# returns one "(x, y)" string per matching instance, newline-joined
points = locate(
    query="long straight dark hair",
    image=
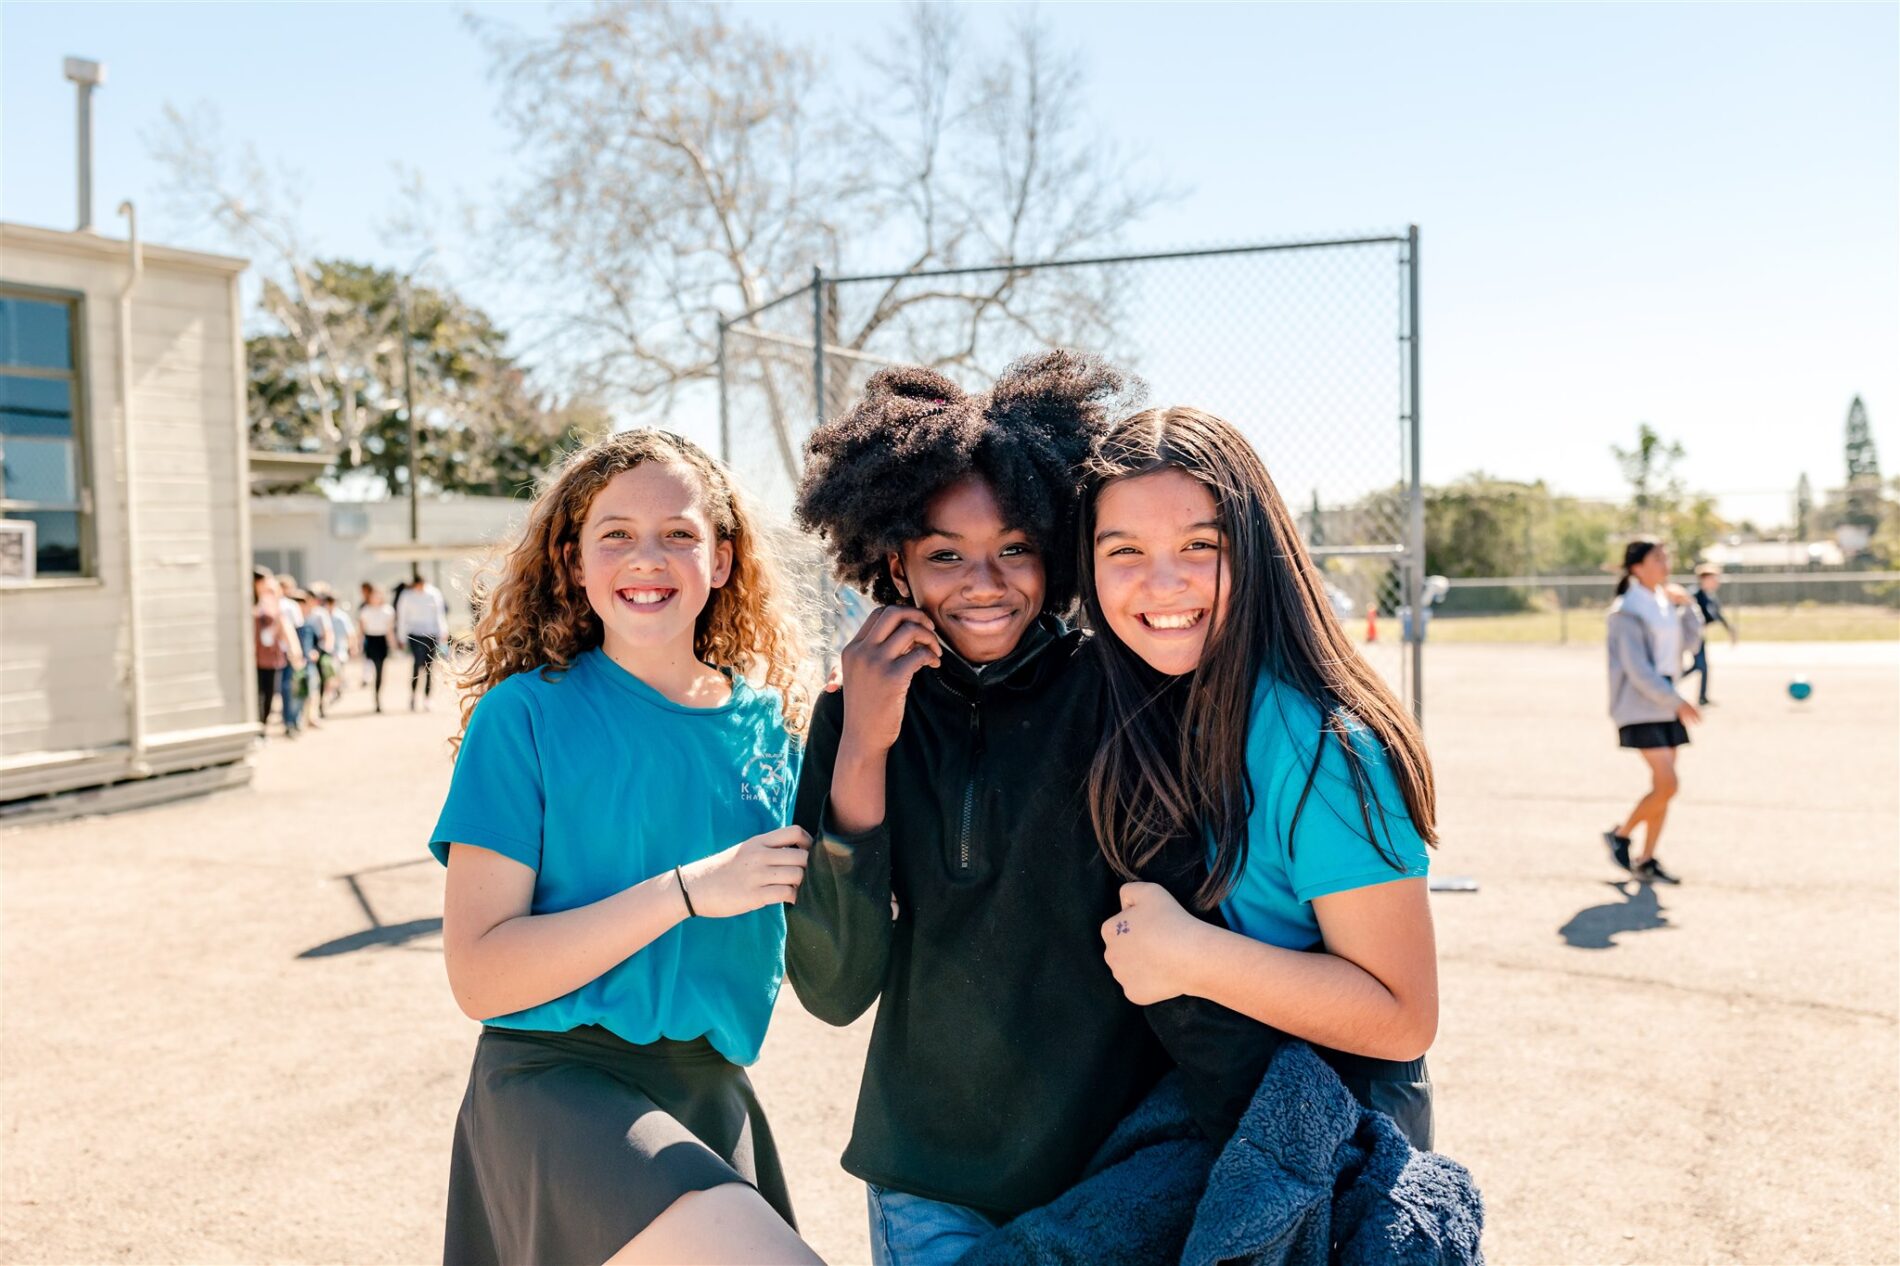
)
(1173, 763)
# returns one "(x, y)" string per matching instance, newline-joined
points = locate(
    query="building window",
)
(280, 561)
(42, 424)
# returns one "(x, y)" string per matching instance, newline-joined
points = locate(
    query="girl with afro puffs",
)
(954, 872)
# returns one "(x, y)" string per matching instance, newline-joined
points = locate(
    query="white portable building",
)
(125, 642)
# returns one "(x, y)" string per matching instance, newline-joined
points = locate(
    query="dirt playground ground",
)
(225, 1034)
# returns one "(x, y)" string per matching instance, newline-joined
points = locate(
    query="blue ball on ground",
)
(1799, 689)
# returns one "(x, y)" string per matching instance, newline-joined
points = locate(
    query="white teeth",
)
(1180, 620)
(647, 597)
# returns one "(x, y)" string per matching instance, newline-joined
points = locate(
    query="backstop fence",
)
(1309, 347)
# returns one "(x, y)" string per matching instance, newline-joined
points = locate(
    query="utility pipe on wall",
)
(135, 701)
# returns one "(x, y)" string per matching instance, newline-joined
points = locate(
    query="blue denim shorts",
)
(909, 1230)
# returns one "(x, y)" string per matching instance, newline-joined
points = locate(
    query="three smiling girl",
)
(979, 815)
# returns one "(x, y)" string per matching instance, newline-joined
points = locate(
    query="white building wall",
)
(321, 531)
(65, 644)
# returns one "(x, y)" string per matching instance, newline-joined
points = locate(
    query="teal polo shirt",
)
(596, 781)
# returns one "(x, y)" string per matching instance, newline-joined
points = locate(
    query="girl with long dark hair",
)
(1651, 626)
(1242, 722)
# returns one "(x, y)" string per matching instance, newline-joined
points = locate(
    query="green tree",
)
(482, 427)
(1583, 536)
(1659, 504)
(1481, 526)
(1650, 470)
(1693, 525)
(1863, 471)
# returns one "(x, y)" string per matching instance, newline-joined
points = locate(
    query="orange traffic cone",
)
(1372, 624)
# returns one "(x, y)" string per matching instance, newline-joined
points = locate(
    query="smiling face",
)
(979, 580)
(1161, 572)
(649, 559)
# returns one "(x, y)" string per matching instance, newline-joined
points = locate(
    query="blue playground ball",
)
(1799, 688)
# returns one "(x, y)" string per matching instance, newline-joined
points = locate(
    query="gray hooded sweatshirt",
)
(1639, 690)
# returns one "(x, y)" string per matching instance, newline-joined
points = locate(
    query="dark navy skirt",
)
(570, 1144)
(1654, 734)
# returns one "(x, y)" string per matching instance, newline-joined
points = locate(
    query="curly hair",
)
(532, 614)
(871, 472)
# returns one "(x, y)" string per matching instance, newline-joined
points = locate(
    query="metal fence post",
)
(818, 345)
(829, 610)
(1415, 553)
(725, 408)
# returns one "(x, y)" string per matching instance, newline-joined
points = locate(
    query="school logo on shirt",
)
(766, 780)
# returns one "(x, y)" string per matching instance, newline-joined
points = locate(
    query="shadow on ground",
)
(378, 932)
(392, 934)
(1597, 927)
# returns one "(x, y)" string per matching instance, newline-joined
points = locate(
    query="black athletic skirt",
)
(1654, 734)
(375, 646)
(569, 1144)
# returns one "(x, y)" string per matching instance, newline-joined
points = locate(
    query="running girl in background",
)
(618, 862)
(1240, 714)
(1652, 625)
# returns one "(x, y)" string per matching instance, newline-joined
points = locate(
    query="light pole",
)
(409, 414)
(413, 451)
(88, 75)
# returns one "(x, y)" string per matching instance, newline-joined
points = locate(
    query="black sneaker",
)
(1619, 848)
(1651, 871)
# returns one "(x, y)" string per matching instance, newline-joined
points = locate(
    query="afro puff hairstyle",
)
(871, 472)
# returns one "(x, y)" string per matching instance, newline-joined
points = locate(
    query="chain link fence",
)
(1309, 347)
(1775, 606)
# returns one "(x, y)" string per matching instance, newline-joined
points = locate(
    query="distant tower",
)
(1803, 507)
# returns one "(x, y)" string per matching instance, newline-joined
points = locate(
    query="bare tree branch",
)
(680, 165)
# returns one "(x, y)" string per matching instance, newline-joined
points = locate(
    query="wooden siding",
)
(64, 675)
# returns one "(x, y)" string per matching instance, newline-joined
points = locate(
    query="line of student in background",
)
(1061, 861)
(305, 639)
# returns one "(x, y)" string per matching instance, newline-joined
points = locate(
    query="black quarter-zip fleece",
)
(1003, 1052)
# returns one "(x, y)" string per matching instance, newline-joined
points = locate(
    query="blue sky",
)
(1679, 214)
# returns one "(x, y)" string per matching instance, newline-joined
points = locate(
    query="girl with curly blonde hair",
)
(619, 859)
